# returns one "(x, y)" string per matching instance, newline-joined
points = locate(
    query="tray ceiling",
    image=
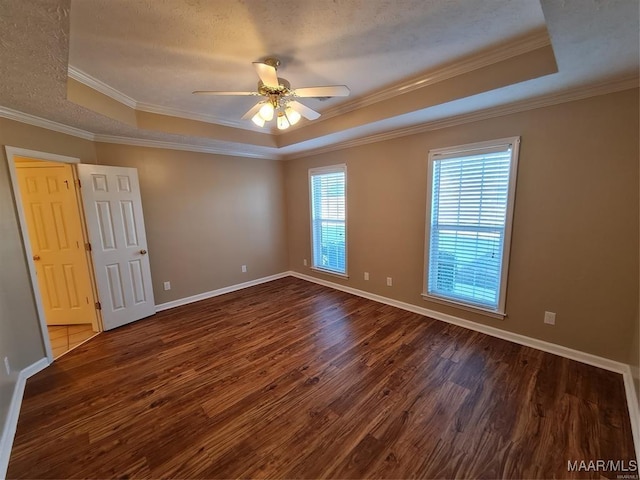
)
(395, 56)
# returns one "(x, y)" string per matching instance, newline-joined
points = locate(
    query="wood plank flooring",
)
(294, 380)
(67, 337)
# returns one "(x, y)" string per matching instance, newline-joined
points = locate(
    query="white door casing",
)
(113, 211)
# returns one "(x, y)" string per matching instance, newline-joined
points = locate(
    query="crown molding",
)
(21, 117)
(100, 86)
(516, 107)
(29, 119)
(537, 39)
(130, 102)
(220, 150)
(530, 104)
(528, 43)
(201, 117)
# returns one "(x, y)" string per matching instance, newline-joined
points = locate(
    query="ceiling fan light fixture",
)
(279, 99)
(282, 121)
(266, 112)
(258, 120)
(292, 115)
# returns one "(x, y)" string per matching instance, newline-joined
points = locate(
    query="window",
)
(469, 209)
(329, 219)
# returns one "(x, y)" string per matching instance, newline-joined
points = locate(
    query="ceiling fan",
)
(279, 99)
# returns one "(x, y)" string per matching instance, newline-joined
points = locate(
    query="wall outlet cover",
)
(550, 318)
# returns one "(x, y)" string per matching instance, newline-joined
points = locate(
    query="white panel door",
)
(113, 209)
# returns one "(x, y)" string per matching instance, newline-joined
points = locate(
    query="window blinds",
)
(470, 193)
(328, 219)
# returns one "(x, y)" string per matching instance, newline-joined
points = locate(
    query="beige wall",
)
(20, 338)
(205, 216)
(575, 231)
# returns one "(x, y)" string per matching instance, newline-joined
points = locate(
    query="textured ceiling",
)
(34, 48)
(158, 51)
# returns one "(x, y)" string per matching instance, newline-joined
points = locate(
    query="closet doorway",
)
(53, 225)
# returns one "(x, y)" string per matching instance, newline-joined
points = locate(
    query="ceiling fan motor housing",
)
(284, 88)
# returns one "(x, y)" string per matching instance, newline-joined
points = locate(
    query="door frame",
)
(11, 153)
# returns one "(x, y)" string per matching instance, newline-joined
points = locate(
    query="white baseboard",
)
(9, 431)
(221, 291)
(594, 360)
(632, 403)
(583, 357)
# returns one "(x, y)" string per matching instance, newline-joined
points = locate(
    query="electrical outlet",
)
(244, 269)
(366, 275)
(304, 262)
(7, 367)
(389, 281)
(167, 285)
(550, 318)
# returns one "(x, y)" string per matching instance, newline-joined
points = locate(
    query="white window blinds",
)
(469, 227)
(328, 218)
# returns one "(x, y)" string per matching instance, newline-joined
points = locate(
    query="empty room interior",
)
(319, 239)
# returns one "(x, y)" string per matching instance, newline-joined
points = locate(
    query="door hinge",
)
(98, 306)
(78, 183)
(87, 246)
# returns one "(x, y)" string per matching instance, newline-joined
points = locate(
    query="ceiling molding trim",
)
(141, 142)
(201, 117)
(539, 102)
(100, 86)
(516, 107)
(467, 64)
(489, 56)
(111, 92)
(29, 119)
(21, 117)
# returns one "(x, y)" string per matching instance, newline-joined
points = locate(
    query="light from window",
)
(469, 208)
(328, 218)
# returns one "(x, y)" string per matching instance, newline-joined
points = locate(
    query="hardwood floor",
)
(290, 379)
(67, 337)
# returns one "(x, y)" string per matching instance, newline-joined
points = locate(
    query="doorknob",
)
(143, 252)
(36, 257)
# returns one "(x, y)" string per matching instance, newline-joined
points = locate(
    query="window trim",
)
(341, 167)
(452, 152)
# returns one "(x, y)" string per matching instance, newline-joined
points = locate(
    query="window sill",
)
(463, 306)
(329, 272)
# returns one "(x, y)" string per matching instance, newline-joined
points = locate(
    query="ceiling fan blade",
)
(212, 92)
(303, 110)
(267, 74)
(328, 91)
(252, 111)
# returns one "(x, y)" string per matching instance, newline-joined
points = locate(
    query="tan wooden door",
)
(52, 213)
